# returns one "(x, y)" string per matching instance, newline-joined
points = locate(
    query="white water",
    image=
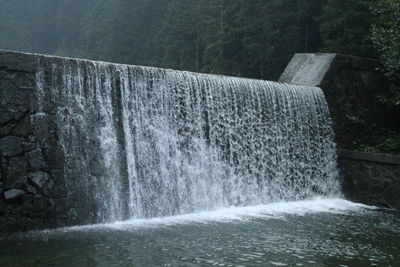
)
(144, 142)
(276, 211)
(270, 211)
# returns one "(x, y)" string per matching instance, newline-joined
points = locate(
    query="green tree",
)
(345, 27)
(386, 34)
(251, 38)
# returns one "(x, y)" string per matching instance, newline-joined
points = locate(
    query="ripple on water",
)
(352, 236)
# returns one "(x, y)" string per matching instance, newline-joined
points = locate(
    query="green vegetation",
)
(386, 34)
(345, 27)
(386, 38)
(250, 38)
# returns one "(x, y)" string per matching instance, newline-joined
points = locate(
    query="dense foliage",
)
(250, 38)
(386, 38)
(386, 34)
(345, 27)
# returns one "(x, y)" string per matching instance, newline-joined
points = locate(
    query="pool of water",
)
(317, 232)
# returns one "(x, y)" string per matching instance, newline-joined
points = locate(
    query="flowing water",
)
(183, 169)
(304, 233)
(143, 142)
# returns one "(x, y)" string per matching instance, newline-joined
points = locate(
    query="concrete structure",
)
(307, 69)
(67, 132)
(32, 193)
(370, 178)
(32, 185)
(352, 87)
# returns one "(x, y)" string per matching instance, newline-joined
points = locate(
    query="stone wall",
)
(32, 185)
(32, 193)
(370, 178)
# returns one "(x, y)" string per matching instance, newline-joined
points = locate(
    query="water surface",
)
(306, 233)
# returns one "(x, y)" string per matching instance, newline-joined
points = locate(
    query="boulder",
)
(32, 189)
(4, 116)
(17, 171)
(28, 146)
(39, 178)
(13, 194)
(10, 146)
(23, 128)
(36, 160)
(42, 181)
(6, 129)
(16, 96)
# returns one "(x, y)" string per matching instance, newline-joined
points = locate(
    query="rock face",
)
(371, 178)
(16, 172)
(352, 86)
(32, 194)
(10, 146)
(13, 194)
(36, 160)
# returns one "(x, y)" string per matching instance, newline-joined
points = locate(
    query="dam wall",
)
(370, 178)
(353, 87)
(77, 139)
(32, 189)
(85, 142)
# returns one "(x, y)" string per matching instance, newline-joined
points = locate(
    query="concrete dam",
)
(91, 142)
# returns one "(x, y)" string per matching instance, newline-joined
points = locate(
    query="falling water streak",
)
(145, 142)
(39, 79)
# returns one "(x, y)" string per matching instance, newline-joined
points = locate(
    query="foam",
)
(269, 211)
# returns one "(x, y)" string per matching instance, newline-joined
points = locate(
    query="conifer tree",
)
(345, 27)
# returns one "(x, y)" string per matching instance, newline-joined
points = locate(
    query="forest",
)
(249, 38)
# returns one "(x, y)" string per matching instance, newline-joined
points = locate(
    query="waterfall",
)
(144, 142)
